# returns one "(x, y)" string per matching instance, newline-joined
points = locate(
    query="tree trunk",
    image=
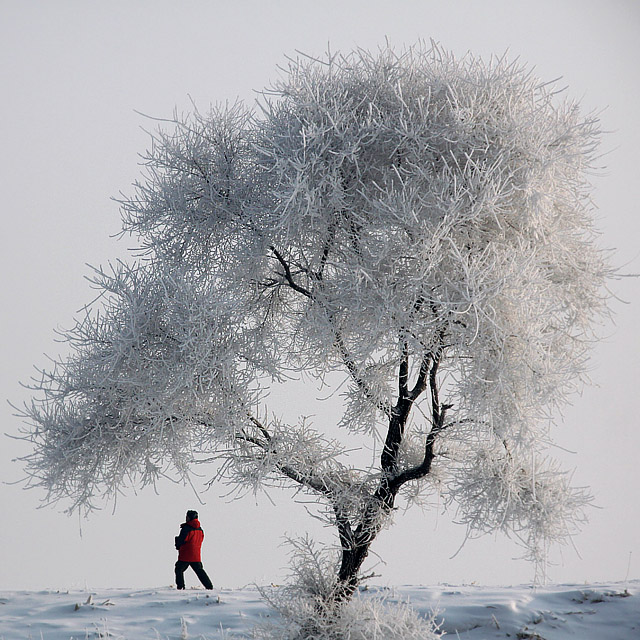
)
(356, 549)
(348, 576)
(356, 544)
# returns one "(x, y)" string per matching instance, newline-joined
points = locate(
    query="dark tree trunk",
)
(348, 576)
(356, 550)
(356, 544)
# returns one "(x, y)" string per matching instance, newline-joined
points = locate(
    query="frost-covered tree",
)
(414, 224)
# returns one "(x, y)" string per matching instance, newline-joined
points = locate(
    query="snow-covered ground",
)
(582, 612)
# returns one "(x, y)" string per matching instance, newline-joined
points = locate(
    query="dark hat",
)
(192, 515)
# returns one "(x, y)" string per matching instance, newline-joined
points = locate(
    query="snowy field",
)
(582, 612)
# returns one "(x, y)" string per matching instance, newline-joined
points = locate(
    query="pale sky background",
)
(73, 75)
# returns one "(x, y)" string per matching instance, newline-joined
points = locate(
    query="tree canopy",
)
(416, 225)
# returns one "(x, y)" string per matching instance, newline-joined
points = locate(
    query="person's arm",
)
(182, 538)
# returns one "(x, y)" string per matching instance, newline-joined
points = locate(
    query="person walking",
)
(188, 544)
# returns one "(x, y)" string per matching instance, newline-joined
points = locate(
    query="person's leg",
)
(202, 575)
(181, 567)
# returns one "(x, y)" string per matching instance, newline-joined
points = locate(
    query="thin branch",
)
(259, 425)
(289, 278)
(331, 232)
(403, 372)
(357, 378)
(421, 380)
(433, 386)
(316, 484)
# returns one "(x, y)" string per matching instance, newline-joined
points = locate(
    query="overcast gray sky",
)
(74, 73)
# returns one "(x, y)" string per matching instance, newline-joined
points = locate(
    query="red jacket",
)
(189, 541)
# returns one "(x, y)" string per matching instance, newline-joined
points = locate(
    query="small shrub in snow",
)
(364, 617)
(308, 609)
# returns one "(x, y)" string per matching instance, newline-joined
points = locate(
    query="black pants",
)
(181, 567)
